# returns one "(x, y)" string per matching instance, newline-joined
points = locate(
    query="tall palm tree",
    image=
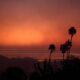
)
(72, 31)
(51, 48)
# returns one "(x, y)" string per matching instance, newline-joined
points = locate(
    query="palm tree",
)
(63, 49)
(68, 43)
(72, 31)
(51, 48)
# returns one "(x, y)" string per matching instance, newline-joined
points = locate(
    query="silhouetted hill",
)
(3, 58)
(27, 64)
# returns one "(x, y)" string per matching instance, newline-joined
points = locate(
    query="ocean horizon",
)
(35, 54)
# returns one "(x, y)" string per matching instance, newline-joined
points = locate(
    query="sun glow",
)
(22, 37)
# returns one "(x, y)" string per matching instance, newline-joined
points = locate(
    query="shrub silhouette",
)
(71, 69)
(35, 76)
(45, 70)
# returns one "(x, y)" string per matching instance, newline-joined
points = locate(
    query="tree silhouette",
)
(63, 49)
(51, 48)
(68, 44)
(72, 31)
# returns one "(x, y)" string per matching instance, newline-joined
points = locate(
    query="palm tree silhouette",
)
(72, 31)
(68, 43)
(63, 49)
(51, 48)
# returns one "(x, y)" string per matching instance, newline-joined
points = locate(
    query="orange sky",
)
(38, 22)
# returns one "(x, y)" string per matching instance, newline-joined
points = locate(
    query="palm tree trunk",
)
(71, 37)
(70, 47)
(69, 52)
(67, 55)
(50, 58)
(63, 57)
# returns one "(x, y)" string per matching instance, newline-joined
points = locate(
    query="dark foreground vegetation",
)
(70, 69)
